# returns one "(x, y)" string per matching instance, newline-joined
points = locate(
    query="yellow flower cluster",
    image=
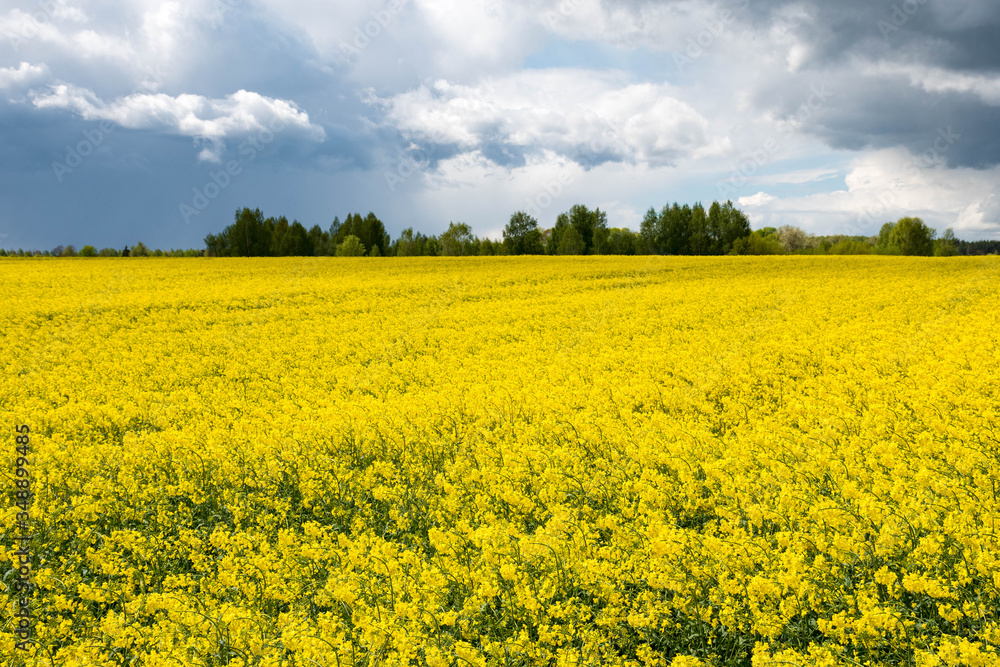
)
(489, 462)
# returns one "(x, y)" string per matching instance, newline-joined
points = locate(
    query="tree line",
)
(720, 229)
(252, 235)
(138, 250)
(907, 236)
(579, 231)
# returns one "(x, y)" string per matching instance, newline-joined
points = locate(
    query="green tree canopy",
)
(554, 235)
(248, 236)
(318, 240)
(351, 246)
(592, 226)
(675, 228)
(761, 242)
(571, 242)
(691, 230)
(369, 230)
(946, 246)
(650, 232)
(726, 225)
(850, 247)
(407, 244)
(295, 242)
(912, 237)
(458, 240)
(698, 240)
(621, 242)
(883, 245)
(522, 236)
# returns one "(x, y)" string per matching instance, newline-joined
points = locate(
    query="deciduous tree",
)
(351, 246)
(522, 236)
(912, 237)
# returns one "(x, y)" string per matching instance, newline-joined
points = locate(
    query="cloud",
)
(595, 117)
(21, 28)
(23, 75)
(797, 177)
(938, 67)
(886, 185)
(758, 200)
(659, 25)
(982, 217)
(210, 120)
(381, 39)
(462, 39)
(873, 106)
(472, 188)
(954, 35)
(938, 80)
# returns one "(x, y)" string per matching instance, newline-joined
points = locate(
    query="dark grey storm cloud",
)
(959, 34)
(861, 50)
(885, 111)
(129, 184)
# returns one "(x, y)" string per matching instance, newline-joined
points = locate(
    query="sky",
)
(134, 120)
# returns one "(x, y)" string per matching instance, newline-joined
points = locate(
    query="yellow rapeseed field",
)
(479, 462)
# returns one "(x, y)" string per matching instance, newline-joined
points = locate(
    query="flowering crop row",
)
(507, 461)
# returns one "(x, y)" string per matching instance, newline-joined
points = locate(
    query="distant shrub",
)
(850, 247)
(351, 246)
(758, 243)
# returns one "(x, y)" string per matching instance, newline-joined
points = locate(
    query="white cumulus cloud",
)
(54, 30)
(759, 199)
(206, 119)
(886, 185)
(594, 116)
(22, 75)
